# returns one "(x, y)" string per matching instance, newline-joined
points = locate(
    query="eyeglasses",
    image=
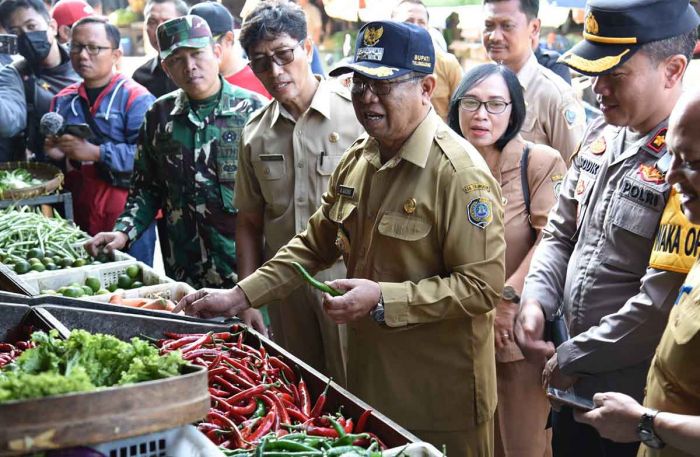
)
(358, 86)
(281, 57)
(92, 49)
(492, 106)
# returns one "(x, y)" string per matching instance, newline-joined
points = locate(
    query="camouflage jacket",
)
(187, 167)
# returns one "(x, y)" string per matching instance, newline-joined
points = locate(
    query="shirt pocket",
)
(404, 228)
(630, 232)
(685, 320)
(269, 167)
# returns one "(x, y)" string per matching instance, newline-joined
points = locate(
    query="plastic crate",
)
(107, 273)
(182, 441)
(172, 291)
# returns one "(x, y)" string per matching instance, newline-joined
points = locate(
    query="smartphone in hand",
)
(8, 44)
(566, 398)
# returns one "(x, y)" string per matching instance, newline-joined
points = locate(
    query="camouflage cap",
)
(183, 32)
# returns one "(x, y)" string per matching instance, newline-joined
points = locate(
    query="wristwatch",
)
(645, 430)
(377, 312)
(509, 294)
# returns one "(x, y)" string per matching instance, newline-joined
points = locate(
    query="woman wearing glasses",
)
(488, 109)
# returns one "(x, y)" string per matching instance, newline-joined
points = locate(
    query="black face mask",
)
(34, 46)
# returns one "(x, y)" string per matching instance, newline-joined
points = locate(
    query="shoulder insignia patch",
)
(570, 116)
(346, 191)
(658, 142)
(557, 181)
(480, 212)
(476, 186)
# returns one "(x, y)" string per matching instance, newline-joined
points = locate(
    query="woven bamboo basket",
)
(50, 176)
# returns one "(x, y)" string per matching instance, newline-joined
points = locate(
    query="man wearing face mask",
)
(28, 85)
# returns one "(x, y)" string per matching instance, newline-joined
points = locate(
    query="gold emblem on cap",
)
(591, 24)
(333, 137)
(409, 206)
(372, 35)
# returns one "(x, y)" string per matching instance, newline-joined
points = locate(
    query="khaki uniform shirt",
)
(674, 377)
(593, 259)
(555, 116)
(545, 173)
(448, 73)
(428, 226)
(285, 165)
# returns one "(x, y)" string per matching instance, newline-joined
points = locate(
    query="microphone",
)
(53, 124)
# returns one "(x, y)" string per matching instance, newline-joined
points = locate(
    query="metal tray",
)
(125, 326)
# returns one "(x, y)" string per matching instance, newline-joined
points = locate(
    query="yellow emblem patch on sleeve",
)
(677, 239)
(476, 186)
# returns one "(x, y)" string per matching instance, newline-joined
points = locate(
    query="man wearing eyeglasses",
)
(289, 151)
(113, 106)
(186, 161)
(417, 217)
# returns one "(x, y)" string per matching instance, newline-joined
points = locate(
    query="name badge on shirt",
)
(271, 157)
(346, 191)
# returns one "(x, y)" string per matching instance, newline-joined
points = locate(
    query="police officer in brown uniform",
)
(416, 215)
(594, 255)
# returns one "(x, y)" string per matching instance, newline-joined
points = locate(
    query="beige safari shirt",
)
(545, 173)
(428, 226)
(555, 117)
(448, 73)
(284, 165)
(674, 376)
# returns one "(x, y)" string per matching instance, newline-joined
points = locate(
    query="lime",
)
(124, 281)
(93, 283)
(133, 271)
(87, 290)
(75, 284)
(38, 267)
(51, 266)
(33, 260)
(137, 284)
(73, 292)
(36, 252)
(78, 262)
(22, 267)
(112, 287)
(66, 262)
(102, 292)
(47, 260)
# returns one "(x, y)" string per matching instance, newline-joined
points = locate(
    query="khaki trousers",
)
(522, 412)
(300, 325)
(474, 442)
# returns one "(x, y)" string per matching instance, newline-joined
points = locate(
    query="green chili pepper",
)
(316, 283)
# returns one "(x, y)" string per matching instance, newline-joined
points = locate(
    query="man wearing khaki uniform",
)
(417, 217)
(289, 150)
(554, 115)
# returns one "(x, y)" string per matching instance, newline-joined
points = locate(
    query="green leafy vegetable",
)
(18, 178)
(83, 362)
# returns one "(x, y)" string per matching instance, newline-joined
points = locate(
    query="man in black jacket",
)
(151, 75)
(28, 85)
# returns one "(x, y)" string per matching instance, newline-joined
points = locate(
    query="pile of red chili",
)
(254, 394)
(9, 352)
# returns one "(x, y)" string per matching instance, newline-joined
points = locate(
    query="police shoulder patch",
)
(480, 212)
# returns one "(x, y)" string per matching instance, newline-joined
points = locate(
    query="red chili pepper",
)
(381, 443)
(175, 344)
(348, 427)
(236, 410)
(209, 353)
(362, 421)
(263, 428)
(205, 427)
(215, 363)
(296, 414)
(216, 416)
(288, 372)
(232, 376)
(321, 431)
(304, 397)
(253, 376)
(320, 402)
(197, 343)
(240, 340)
(284, 396)
(217, 371)
(295, 393)
(224, 383)
(263, 352)
(24, 345)
(277, 404)
(244, 395)
(6, 347)
(217, 392)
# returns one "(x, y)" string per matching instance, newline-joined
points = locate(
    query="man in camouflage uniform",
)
(186, 161)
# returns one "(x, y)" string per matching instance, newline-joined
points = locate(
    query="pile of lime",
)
(39, 260)
(130, 279)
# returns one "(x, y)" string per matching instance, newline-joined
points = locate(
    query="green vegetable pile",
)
(82, 363)
(29, 241)
(132, 278)
(19, 178)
